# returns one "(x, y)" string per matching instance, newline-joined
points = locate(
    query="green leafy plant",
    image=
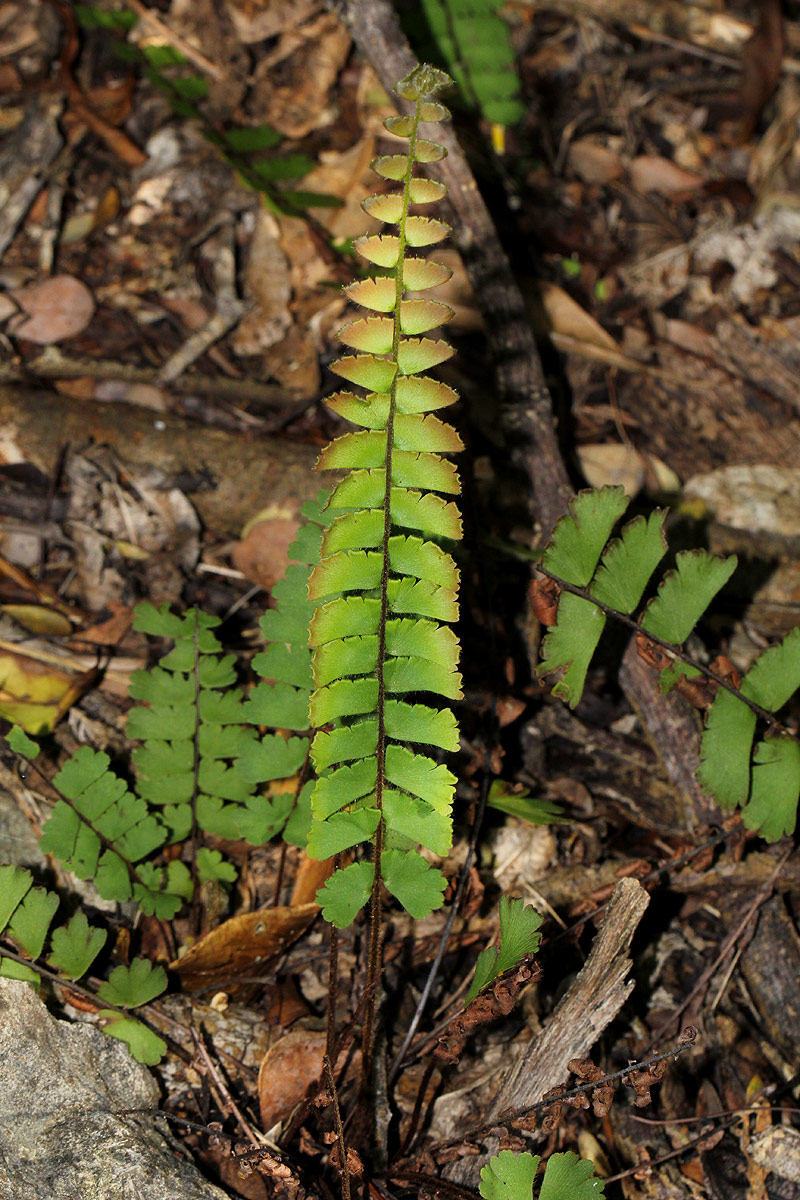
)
(385, 588)
(599, 578)
(519, 937)
(202, 765)
(26, 913)
(471, 41)
(509, 1176)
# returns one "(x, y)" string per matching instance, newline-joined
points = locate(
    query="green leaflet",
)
(762, 777)
(509, 1176)
(385, 585)
(519, 936)
(473, 43)
(26, 913)
(763, 780)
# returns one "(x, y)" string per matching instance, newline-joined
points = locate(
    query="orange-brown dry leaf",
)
(311, 875)
(289, 1069)
(110, 631)
(652, 173)
(239, 945)
(593, 162)
(263, 553)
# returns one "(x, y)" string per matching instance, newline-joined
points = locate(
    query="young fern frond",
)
(385, 587)
(763, 779)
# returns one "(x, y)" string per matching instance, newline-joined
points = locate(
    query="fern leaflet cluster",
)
(201, 766)
(385, 588)
(26, 913)
(762, 778)
(281, 700)
(472, 41)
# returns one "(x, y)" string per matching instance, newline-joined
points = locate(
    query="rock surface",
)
(64, 1130)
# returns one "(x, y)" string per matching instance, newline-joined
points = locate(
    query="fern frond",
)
(473, 43)
(384, 586)
(281, 700)
(101, 831)
(26, 913)
(764, 780)
(509, 1176)
(761, 777)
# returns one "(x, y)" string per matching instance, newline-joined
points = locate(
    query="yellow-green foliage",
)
(385, 587)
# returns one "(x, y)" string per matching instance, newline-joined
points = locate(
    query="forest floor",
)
(170, 292)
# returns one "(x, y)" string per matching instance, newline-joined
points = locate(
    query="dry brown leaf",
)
(263, 553)
(241, 944)
(288, 1071)
(267, 284)
(652, 173)
(612, 465)
(562, 315)
(593, 163)
(762, 62)
(311, 875)
(52, 310)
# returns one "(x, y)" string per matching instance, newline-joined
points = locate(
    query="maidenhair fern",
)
(201, 766)
(385, 587)
(763, 779)
(519, 937)
(509, 1176)
(472, 41)
(26, 913)
(281, 700)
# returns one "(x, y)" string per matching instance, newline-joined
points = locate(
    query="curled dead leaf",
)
(241, 944)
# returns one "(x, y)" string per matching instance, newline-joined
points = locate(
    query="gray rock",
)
(64, 1132)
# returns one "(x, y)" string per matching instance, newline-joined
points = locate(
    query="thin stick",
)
(337, 1116)
(226, 1099)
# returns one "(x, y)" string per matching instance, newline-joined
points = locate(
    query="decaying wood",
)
(53, 364)
(239, 474)
(673, 731)
(594, 999)
(25, 161)
(527, 412)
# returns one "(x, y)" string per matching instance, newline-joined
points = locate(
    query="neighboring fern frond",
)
(101, 831)
(26, 913)
(764, 780)
(384, 586)
(519, 936)
(509, 1176)
(281, 701)
(473, 44)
